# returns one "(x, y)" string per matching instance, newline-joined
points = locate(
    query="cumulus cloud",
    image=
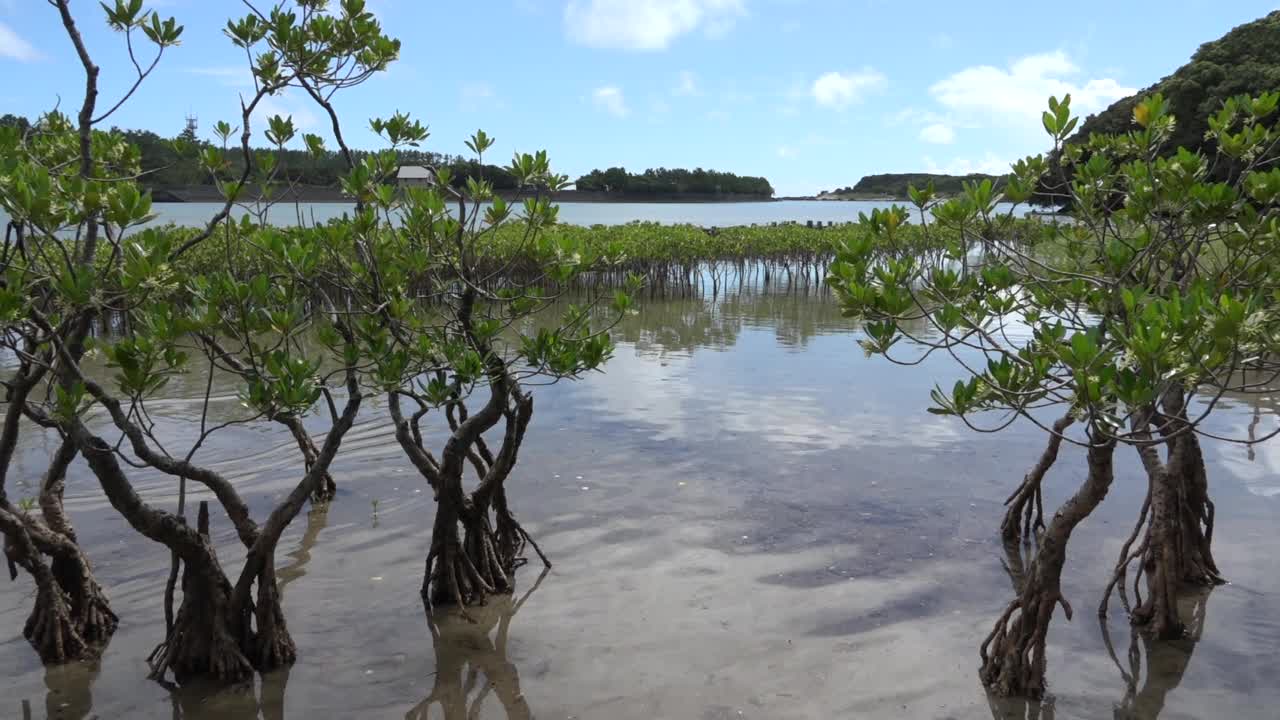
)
(610, 99)
(646, 24)
(14, 47)
(938, 134)
(1018, 94)
(839, 90)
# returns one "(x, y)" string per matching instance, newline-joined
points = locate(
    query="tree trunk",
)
(90, 608)
(1013, 655)
(206, 637)
(50, 629)
(326, 489)
(461, 569)
(1178, 518)
(1025, 515)
(273, 646)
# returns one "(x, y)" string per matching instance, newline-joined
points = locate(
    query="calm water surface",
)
(701, 214)
(748, 519)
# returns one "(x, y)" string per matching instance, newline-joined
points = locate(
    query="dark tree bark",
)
(1013, 655)
(50, 629)
(90, 608)
(71, 618)
(472, 554)
(1025, 515)
(1175, 549)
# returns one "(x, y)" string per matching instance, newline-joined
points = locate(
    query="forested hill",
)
(164, 168)
(664, 182)
(1244, 61)
(894, 185)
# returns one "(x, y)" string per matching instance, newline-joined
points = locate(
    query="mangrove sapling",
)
(449, 322)
(63, 181)
(1154, 300)
(219, 631)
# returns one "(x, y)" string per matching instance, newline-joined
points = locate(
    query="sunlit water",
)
(748, 519)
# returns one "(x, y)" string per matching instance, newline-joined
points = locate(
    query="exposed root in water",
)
(1176, 530)
(1016, 663)
(90, 607)
(205, 639)
(1025, 514)
(1013, 654)
(202, 643)
(50, 629)
(511, 538)
(451, 578)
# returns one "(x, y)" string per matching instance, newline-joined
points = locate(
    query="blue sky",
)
(812, 94)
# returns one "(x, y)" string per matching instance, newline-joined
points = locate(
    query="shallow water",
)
(748, 519)
(724, 214)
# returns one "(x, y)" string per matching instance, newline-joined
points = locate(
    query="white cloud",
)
(938, 134)
(687, 85)
(646, 24)
(989, 164)
(610, 99)
(839, 90)
(14, 47)
(786, 152)
(1018, 94)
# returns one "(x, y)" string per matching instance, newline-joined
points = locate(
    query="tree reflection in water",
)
(471, 664)
(1166, 661)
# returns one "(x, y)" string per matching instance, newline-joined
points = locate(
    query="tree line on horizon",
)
(170, 163)
(673, 181)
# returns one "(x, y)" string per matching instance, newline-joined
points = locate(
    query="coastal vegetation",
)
(325, 317)
(1158, 308)
(173, 165)
(1245, 61)
(674, 183)
(895, 185)
(451, 304)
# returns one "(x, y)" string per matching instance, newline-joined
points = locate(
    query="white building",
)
(415, 176)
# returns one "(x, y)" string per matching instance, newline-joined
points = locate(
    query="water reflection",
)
(70, 692)
(466, 656)
(1167, 661)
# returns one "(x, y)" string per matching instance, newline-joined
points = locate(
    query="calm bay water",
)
(701, 214)
(748, 519)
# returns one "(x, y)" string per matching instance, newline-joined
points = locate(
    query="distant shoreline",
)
(311, 194)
